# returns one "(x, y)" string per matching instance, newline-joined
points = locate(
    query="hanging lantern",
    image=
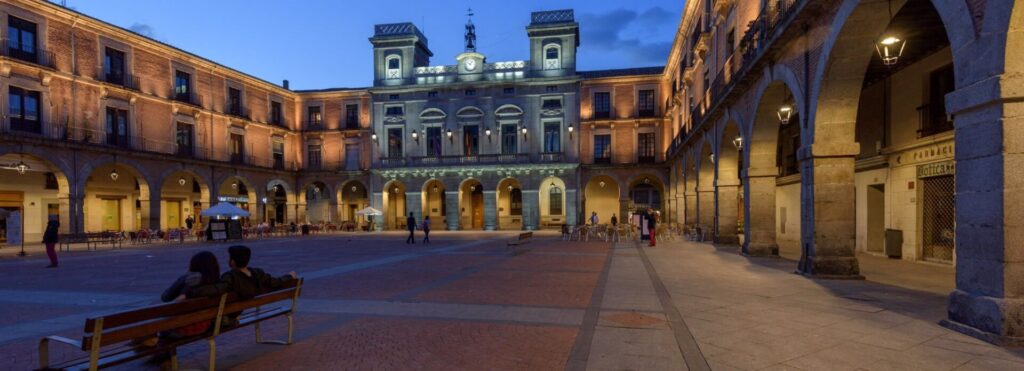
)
(373, 136)
(785, 113)
(353, 189)
(487, 131)
(182, 181)
(114, 175)
(435, 189)
(738, 142)
(21, 167)
(234, 185)
(601, 183)
(415, 135)
(552, 184)
(510, 188)
(712, 158)
(394, 189)
(449, 133)
(890, 48)
(472, 188)
(647, 180)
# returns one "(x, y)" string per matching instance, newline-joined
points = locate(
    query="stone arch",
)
(553, 202)
(353, 195)
(646, 190)
(280, 205)
(432, 114)
(469, 112)
(508, 110)
(37, 181)
(395, 208)
(473, 210)
(123, 204)
(433, 197)
(509, 200)
(184, 192)
(316, 198)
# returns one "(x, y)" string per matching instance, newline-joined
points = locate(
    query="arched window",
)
(394, 67)
(552, 57)
(555, 201)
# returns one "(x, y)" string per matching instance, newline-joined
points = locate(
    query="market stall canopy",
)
(225, 209)
(369, 211)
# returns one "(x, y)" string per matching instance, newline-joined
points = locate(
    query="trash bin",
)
(894, 243)
(305, 229)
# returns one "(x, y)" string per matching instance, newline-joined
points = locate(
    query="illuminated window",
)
(552, 60)
(394, 67)
(602, 105)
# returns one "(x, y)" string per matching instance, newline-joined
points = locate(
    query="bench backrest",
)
(143, 322)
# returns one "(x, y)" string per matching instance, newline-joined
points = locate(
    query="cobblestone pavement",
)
(462, 303)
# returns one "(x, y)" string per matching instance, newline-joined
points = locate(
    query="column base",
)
(833, 268)
(757, 249)
(998, 321)
(726, 240)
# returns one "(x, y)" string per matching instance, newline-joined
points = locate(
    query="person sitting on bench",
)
(243, 281)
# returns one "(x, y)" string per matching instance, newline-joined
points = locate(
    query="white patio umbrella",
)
(225, 209)
(369, 211)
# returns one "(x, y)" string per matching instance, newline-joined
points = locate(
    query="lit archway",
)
(646, 192)
(602, 196)
(183, 194)
(238, 191)
(38, 190)
(353, 197)
(117, 199)
(394, 205)
(433, 203)
(276, 204)
(471, 205)
(510, 204)
(318, 202)
(553, 202)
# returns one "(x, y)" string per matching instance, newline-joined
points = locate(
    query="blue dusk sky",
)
(323, 44)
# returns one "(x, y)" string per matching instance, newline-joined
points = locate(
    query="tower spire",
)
(470, 32)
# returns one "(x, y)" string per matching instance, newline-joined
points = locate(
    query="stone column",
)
(680, 201)
(706, 207)
(490, 210)
(759, 223)
(531, 210)
(377, 201)
(76, 213)
(414, 205)
(829, 224)
(691, 207)
(727, 196)
(451, 205)
(150, 211)
(571, 211)
(65, 216)
(988, 302)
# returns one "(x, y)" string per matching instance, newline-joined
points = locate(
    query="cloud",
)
(143, 29)
(636, 37)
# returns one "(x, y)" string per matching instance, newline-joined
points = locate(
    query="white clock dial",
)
(470, 64)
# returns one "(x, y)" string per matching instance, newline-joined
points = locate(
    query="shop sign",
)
(233, 199)
(936, 169)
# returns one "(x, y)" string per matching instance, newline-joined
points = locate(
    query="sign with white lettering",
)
(936, 169)
(233, 199)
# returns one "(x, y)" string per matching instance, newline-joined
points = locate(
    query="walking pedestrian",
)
(615, 228)
(593, 218)
(189, 223)
(652, 223)
(426, 230)
(50, 239)
(410, 222)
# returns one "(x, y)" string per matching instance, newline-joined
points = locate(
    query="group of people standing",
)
(648, 223)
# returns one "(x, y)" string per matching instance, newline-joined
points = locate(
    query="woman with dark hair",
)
(203, 270)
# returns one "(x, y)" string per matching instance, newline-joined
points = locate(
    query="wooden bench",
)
(91, 240)
(515, 246)
(109, 340)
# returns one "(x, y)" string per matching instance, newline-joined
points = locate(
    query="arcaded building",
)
(818, 130)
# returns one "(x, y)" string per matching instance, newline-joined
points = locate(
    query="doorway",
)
(477, 202)
(876, 218)
(938, 223)
(111, 216)
(173, 214)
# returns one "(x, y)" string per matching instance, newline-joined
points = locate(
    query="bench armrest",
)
(44, 348)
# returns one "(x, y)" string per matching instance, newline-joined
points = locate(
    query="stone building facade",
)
(822, 130)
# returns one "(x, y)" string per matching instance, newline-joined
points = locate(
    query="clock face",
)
(470, 64)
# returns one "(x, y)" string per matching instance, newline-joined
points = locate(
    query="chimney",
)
(285, 84)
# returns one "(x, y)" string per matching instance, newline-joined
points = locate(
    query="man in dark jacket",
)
(50, 240)
(410, 222)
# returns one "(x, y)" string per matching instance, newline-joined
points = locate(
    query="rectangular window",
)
(645, 148)
(471, 140)
(509, 91)
(645, 103)
(552, 137)
(934, 119)
(603, 149)
(551, 104)
(21, 39)
(393, 97)
(183, 87)
(394, 111)
(314, 119)
(313, 154)
(551, 88)
(113, 66)
(431, 94)
(509, 142)
(277, 150)
(602, 105)
(394, 142)
(352, 116)
(276, 116)
(117, 127)
(23, 109)
(237, 148)
(234, 101)
(470, 92)
(434, 141)
(183, 138)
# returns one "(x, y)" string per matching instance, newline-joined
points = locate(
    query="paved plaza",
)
(372, 302)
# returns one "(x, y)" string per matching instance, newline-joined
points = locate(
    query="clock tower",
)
(470, 63)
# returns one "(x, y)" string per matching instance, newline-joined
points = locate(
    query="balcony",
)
(351, 124)
(36, 56)
(188, 97)
(547, 157)
(313, 126)
(602, 115)
(240, 159)
(457, 160)
(703, 43)
(602, 160)
(645, 159)
(392, 161)
(121, 79)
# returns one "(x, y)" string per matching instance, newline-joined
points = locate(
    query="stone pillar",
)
(571, 211)
(680, 201)
(451, 205)
(377, 201)
(623, 210)
(531, 210)
(759, 223)
(150, 210)
(490, 210)
(414, 205)
(728, 199)
(829, 224)
(76, 213)
(988, 302)
(300, 213)
(691, 207)
(65, 216)
(706, 207)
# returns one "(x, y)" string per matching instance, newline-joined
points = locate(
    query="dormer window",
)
(552, 57)
(394, 67)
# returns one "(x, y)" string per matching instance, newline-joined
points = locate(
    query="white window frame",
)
(392, 73)
(552, 63)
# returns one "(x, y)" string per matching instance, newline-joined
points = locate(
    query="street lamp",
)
(449, 133)
(890, 48)
(738, 142)
(785, 113)
(416, 136)
(601, 183)
(114, 175)
(571, 128)
(21, 167)
(373, 135)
